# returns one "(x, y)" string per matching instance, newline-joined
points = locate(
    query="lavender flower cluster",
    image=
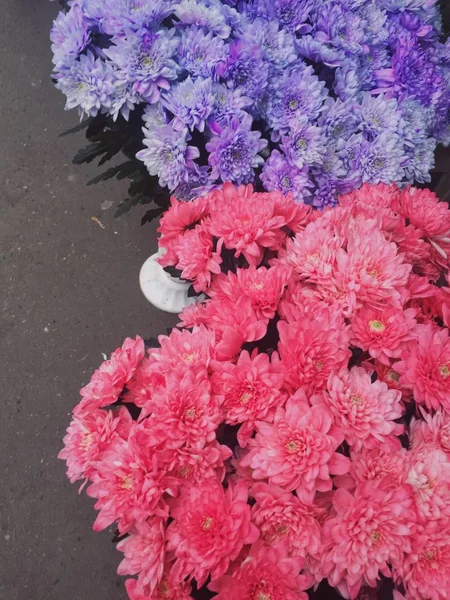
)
(312, 97)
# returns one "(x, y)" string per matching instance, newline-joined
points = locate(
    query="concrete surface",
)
(69, 291)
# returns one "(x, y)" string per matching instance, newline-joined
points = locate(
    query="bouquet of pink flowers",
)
(294, 433)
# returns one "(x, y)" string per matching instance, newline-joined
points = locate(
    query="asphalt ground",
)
(68, 292)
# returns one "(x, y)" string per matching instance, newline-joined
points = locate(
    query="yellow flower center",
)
(375, 535)
(373, 273)
(190, 413)
(127, 482)
(356, 400)
(87, 441)
(319, 365)
(292, 447)
(444, 370)
(393, 376)
(377, 326)
(207, 523)
(188, 358)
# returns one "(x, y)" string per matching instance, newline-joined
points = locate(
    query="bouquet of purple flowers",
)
(312, 97)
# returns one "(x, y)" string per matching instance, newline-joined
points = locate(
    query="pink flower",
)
(250, 390)
(144, 553)
(428, 475)
(388, 375)
(383, 332)
(383, 464)
(180, 216)
(283, 520)
(431, 429)
(209, 530)
(381, 196)
(196, 258)
(423, 209)
(184, 412)
(370, 530)
(312, 348)
(108, 381)
(267, 573)
(425, 368)
(167, 588)
(193, 315)
(89, 435)
(425, 570)
(365, 411)
(298, 450)
(128, 485)
(184, 349)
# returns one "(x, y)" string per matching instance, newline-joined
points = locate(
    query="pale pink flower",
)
(298, 450)
(383, 332)
(144, 552)
(251, 391)
(209, 529)
(381, 195)
(312, 348)
(180, 216)
(431, 429)
(370, 530)
(197, 259)
(425, 368)
(195, 466)
(423, 209)
(184, 412)
(88, 436)
(428, 475)
(425, 570)
(128, 484)
(283, 520)
(365, 411)
(266, 574)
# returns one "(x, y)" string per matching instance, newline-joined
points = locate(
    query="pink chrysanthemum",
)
(181, 216)
(312, 348)
(195, 466)
(266, 574)
(209, 530)
(144, 553)
(283, 520)
(425, 570)
(108, 381)
(431, 429)
(251, 391)
(387, 374)
(184, 349)
(128, 485)
(90, 435)
(383, 332)
(384, 464)
(167, 588)
(365, 411)
(298, 450)
(423, 209)
(370, 530)
(425, 368)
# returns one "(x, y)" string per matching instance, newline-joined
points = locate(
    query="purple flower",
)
(339, 119)
(317, 52)
(233, 151)
(118, 17)
(207, 15)
(145, 59)
(228, 103)
(378, 114)
(278, 174)
(190, 102)
(297, 94)
(326, 193)
(291, 14)
(155, 117)
(200, 52)
(198, 183)
(339, 27)
(382, 160)
(416, 121)
(277, 45)
(245, 69)
(420, 161)
(123, 100)
(167, 155)
(87, 85)
(347, 83)
(69, 36)
(304, 145)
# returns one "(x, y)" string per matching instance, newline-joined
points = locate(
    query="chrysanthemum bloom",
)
(250, 389)
(167, 588)
(144, 552)
(128, 484)
(388, 375)
(180, 217)
(88, 436)
(423, 209)
(312, 348)
(365, 411)
(431, 429)
(183, 348)
(425, 368)
(374, 201)
(428, 475)
(425, 570)
(278, 174)
(69, 36)
(197, 259)
(184, 412)
(283, 520)
(298, 450)
(200, 52)
(209, 530)
(190, 102)
(370, 530)
(109, 379)
(383, 332)
(267, 573)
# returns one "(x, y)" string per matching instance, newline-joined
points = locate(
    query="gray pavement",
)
(68, 292)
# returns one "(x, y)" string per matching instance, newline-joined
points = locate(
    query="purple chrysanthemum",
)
(317, 52)
(118, 17)
(291, 14)
(168, 155)
(198, 183)
(233, 151)
(378, 114)
(305, 144)
(206, 14)
(87, 84)
(228, 103)
(294, 96)
(155, 117)
(278, 174)
(420, 161)
(69, 36)
(123, 100)
(277, 45)
(416, 121)
(339, 119)
(382, 160)
(199, 52)
(146, 60)
(339, 27)
(190, 102)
